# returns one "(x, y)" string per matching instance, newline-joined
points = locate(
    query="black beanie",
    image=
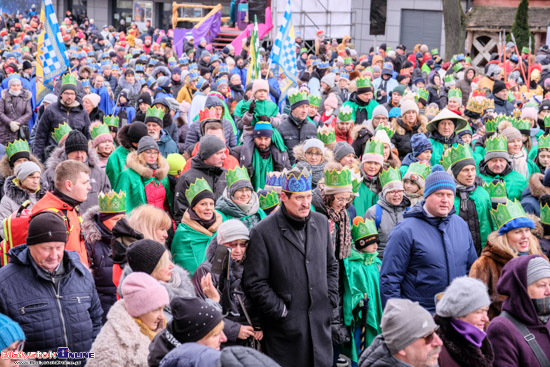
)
(498, 86)
(76, 141)
(208, 146)
(16, 156)
(26, 65)
(364, 242)
(204, 194)
(136, 131)
(67, 86)
(458, 166)
(193, 318)
(46, 227)
(145, 98)
(144, 255)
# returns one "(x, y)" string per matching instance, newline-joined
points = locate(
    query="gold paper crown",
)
(16, 147)
(489, 104)
(476, 104)
(337, 178)
(112, 202)
(61, 131)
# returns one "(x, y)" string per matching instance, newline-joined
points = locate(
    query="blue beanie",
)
(263, 129)
(395, 112)
(516, 223)
(419, 144)
(10, 332)
(438, 180)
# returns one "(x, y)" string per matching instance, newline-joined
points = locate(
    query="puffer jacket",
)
(502, 106)
(117, 159)
(295, 132)
(14, 108)
(15, 196)
(55, 115)
(245, 154)
(98, 179)
(465, 85)
(402, 137)
(133, 90)
(67, 314)
(532, 194)
(7, 170)
(166, 144)
(192, 355)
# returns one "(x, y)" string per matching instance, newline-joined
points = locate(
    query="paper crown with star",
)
(504, 213)
(296, 180)
(363, 228)
(195, 188)
(112, 202)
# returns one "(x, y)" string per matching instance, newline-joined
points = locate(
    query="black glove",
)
(263, 118)
(252, 107)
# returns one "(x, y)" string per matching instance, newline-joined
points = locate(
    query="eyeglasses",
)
(428, 339)
(314, 154)
(151, 153)
(235, 244)
(344, 200)
(18, 347)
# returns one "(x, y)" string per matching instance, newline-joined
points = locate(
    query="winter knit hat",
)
(208, 146)
(420, 143)
(10, 332)
(259, 84)
(508, 131)
(399, 89)
(144, 255)
(76, 141)
(147, 143)
(329, 79)
(232, 230)
(463, 296)
(176, 163)
(379, 110)
(145, 98)
(13, 81)
(331, 101)
(26, 169)
(314, 143)
(46, 227)
(537, 269)
(93, 98)
(142, 294)
(382, 135)
(403, 322)
(529, 113)
(136, 131)
(341, 150)
(498, 86)
(193, 318)
(438, 180)
(408, 105)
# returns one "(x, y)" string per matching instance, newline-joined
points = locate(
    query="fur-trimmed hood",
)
(301, 155)
(89, 225)
(397, 125)
(357, 128)
(58, 155)
(538, 231)
(123, 139)
(19, 195)
(132, 162)
(536, 186)
(26, 95)
(6, 170)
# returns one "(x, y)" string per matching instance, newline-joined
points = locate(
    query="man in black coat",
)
(292, 278)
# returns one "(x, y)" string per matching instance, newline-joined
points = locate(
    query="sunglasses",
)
(428, 339)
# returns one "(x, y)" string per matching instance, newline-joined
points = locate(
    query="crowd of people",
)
(172, 210)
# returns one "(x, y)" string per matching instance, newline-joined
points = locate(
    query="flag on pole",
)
(283, 54)
(254, 67)
(41, 88)
(53, 55)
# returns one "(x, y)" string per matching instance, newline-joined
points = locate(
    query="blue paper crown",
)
(184, 60)
(193, 67)
(151, 81)
(344, 75)
(324, 65)
(105, 55)
(85, 83)
(316, 62)
(172, 63)
(223, 70)
(140, 68)
(105, 62)
(115, 67)
(293, 183)
(274, 179)
(153, 62)
(143, 57)
(136, 52)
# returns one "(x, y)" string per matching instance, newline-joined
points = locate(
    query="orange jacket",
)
(229, 163)
(75, 242)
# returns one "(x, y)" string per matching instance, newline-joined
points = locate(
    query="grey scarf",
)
(464, 192)
(542, 306)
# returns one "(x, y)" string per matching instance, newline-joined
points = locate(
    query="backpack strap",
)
(529, 338)
(378, 217)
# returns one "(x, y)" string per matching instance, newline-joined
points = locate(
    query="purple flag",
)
(208, 30)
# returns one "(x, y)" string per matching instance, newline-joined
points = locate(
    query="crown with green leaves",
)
(458, 153)
(504, 213)
(296, 180)
(335, 178)
(17, 146)
(434, 51)
(521, 124)
(363, 228)
(154, 112)
(99, 129)
(112, 202)
(496, 144)
(196, 188)
(363, 83)
(420, 168)
(326, 134)
(110, 120)
(314, 100)
(544, 213)
(387, 129)
(455, 93)
(547, 121)
(356, 180)
(61, 131)
(236, 174)
(389, 175)
(346, 113)
(374, 146)
(298, 97)
(268, 200)
(422, 94)
(348, 61)
(68, 79)
(457, 67)
(496, 189)
(448, 79)
(544, 142)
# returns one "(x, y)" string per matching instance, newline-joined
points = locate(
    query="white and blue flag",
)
(283, 53)
(53, 55)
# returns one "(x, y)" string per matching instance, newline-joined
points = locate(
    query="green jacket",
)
(365, 200)
(437, 151)
(482, 201)
(362, 277)
(515, 183)
(354, 107)
(115, 164)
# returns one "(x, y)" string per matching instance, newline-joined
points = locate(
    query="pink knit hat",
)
(101, 138)
(331, 101)
(142, 294)
(93, 99)
(529, 113)
(259, 84)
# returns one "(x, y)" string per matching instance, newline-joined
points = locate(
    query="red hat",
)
(4, 32)
(67, 37)
(320, 32)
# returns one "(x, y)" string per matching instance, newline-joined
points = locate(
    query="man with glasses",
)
(409, 338)
(291, 274)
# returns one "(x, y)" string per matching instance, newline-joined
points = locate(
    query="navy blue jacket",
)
(423, 255)
(67, 315)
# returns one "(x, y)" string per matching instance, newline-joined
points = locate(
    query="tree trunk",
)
(455, 28)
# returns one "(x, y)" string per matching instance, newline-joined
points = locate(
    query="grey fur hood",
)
(18, 195)
(58, 156)
(89, 226)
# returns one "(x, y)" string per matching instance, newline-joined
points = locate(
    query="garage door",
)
(421, 26)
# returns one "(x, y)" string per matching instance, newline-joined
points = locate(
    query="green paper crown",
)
(434, 51)
(544, 142)
(112, 202)
(491, 125)
(110, 120)
(270, 200)
(326, 134)
(356, 181)
(525, 50)
(337, 178)
(544, 213)
(389, 175)
(456, 93)
(448, 78)
(458, 67)
(155, 112)
(458, 152)
(420, 168)
(445, 160)
(314, 100)
(196, 187)
(547, 121)
(237, 174)
(346, 113)
(387, 129)
(298, 97)
(521, 124)
(363, 83)
(496, 189)
(363, 228)
(68, 79)
(374, 146)
(98, 130)
(422, 94)
(504, 213)
(496, 144)
(61, 131)
(16, 147)
(348, 61)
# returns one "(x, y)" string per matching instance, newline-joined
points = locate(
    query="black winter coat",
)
(281, 272)
(294, 132)
(502, 106)
(245, 152)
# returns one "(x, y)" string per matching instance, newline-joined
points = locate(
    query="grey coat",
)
(14, 108)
